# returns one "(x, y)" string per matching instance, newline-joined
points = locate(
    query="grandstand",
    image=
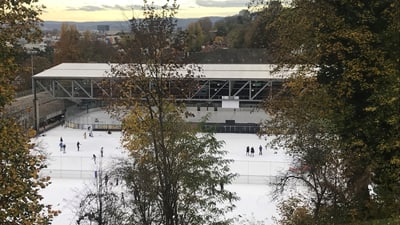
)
(230, 93)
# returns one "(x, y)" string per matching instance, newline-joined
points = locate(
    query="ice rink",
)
(73, 171)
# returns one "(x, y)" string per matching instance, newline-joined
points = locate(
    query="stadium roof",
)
(210, 71)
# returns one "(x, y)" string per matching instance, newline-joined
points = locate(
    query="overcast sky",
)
(117, 10)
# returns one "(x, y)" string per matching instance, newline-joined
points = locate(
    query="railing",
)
(89, 174)
(94, 126)
(248, 171)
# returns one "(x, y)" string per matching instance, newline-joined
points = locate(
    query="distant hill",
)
(114, 25)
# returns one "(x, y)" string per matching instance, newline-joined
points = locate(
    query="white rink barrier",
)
(256, 179)
(87, 174)
(67, 174)
(248, 168)
(80, 167)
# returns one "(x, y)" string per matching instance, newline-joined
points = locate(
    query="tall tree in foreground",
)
(301, 124)
(177, 175)
(355, 46)
(20, 183)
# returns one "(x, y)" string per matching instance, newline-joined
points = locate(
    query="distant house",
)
(34, 47)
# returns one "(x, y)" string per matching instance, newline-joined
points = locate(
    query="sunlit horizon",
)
(121, 10)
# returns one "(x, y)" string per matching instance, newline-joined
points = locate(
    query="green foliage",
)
(356, 68)
(348, 42)
(180, 166)
(302, 126)
(19, 19)
(20, 181)
(76, 47)
(31, 62)
(390, 221)
(20, 164)
(176, 175)
(261, 33)
(195, 36)
(295, 212)
(67, 48)
(233, 30)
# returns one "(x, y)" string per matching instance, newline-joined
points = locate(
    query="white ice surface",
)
(73, 171)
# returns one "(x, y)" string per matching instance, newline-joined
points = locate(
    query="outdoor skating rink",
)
(73, 171)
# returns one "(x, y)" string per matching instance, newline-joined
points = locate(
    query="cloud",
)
(95, 8)
(222, 3)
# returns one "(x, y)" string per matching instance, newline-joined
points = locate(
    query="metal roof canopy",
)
(210, 71)
(217, 82)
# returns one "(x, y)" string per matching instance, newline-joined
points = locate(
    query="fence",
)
(248, 171)
(89, 174)
(244, 128)
(97, 119)
(94, 126)
(67, 174)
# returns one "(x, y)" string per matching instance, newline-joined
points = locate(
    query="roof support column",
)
(35, 107)
(230, 88)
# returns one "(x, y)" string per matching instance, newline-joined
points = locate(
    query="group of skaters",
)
(78, 145)
(63, 146)
(250, 150)
(101, 155)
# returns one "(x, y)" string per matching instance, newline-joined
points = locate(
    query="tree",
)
(177, 175)
(206, 26)
(33, 61)
(195, 37)
(21, 182)
(348, 43)
(303, 127)
(67, 48)
(356, 66)
(233, 29)
(260, 34)
(103, 202)
(94, 50)
(20, 164)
